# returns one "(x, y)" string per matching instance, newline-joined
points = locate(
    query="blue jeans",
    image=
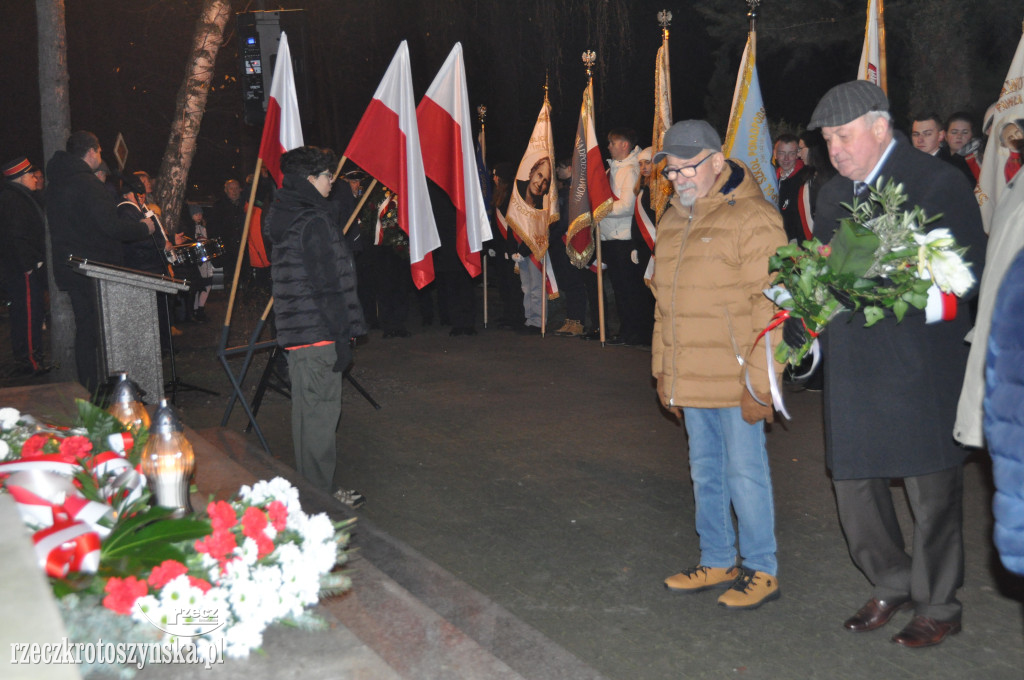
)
(729, 468)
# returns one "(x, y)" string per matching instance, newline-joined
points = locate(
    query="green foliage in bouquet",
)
(880, 258)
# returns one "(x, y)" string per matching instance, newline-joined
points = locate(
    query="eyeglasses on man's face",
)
(685, 171)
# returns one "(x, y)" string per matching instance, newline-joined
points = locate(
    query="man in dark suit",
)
(891, 390)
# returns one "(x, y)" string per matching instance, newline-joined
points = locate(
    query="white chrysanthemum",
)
(242, 637)
(147, 609)
(950, 272)
(279, 489)
(9, 417)
(270, 532)
(5, 450)
(318, 529)
(250, 552)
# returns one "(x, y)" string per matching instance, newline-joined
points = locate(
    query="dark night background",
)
(127, 61)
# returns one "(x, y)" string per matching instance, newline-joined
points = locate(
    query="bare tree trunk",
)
(191, 104)
(56, 124)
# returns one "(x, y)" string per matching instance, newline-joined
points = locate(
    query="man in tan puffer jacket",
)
(713, 246)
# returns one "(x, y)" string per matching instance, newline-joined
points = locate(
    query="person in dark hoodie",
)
(84, 222)
(317, 309)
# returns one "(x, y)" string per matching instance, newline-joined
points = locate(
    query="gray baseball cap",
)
(688, 138)
(846, 102)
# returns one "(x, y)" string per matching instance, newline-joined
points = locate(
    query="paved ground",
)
(541, 472)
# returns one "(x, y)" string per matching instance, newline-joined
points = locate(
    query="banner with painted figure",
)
(748, 139)
(534, 202)
(1002, 158)
(661, 188)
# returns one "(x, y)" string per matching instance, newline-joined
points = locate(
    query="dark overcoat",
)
(891, 390)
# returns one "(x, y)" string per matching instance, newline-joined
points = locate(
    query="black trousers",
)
(85, 306)
(25, 291)
(933, 574)
(630, 296)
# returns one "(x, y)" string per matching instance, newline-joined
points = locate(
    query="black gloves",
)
(794, 333)
(343, 347)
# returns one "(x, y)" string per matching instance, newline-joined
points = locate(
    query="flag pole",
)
(359, 206)
(337, 171)
(481, 114)
(241, 248)
(752, 16)
(544, 260)
(588, 60)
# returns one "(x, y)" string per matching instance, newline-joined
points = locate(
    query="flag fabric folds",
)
(386, 144)
(872, 57)
(1007, 110)
(660, 188)
(446, 141)
(534, 202)
(747, 138)
(282, 130)
(590, 194)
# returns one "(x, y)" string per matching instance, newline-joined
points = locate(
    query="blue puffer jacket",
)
(1004, 415)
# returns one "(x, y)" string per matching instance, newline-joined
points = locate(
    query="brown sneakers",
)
(570, 329)
(750, 590)
(701, 578)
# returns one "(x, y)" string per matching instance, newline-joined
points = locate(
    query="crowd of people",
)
(688, 285)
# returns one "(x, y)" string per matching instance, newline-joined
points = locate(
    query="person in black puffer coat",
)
(317, 308)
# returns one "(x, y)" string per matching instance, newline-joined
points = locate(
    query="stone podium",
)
(129, 324)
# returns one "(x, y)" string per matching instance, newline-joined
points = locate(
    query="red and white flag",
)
(386, 144)
(448, 157)
(282, 130)
(590, 194)
(872, 57)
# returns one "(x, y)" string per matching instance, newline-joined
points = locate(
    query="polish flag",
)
(282, 130)
(386, 144)
(448, 157)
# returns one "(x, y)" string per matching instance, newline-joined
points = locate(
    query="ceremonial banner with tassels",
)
(590, 194)
(748, 138)
(872, 57)
(660, 188)
(1009, 108)
(534, 202)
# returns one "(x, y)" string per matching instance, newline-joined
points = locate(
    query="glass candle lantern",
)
(168, 461)
(126, 404)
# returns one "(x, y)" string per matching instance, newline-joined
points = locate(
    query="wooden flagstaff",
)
(359, 206)
(588, 60)
(481, 114)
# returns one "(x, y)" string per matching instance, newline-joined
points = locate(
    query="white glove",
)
(491, 253)
(516, 257)
(633, 256)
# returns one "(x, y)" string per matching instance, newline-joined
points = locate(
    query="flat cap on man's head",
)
(847, 102)
(688, 138)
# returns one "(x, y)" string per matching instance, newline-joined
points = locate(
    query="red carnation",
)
(217, 545)
(199, 583)
(165, 573)
(122, 594)
(825, 250)
(253, 522)
(278, 512)
(75, 447)
(33, 446)
(222, 515)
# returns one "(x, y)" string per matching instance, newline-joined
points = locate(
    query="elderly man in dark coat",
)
(891, 390)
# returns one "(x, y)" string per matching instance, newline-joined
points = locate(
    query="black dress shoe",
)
(529, 330)
(615, 340)
(463, 330)
(874, 614)
(925, 632)
(591, 335)
(399, 333)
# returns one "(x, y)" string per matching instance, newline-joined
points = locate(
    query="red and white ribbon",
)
(66, 548)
